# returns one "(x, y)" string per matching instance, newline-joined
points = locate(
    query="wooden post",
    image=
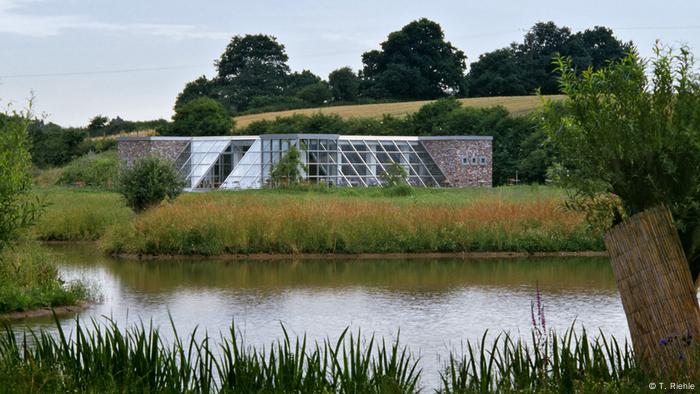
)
(657, 290)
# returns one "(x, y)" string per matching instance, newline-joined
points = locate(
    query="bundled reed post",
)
(657, 289)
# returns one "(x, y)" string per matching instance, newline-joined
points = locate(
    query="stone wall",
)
(131, 150)
(168, 149)
(464, 162)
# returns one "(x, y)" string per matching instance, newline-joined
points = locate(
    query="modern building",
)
(244, 162)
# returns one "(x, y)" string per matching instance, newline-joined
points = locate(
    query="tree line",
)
(413, 63)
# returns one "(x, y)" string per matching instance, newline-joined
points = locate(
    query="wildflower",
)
(663, 342)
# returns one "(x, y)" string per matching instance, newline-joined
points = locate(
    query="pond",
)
(438, 304)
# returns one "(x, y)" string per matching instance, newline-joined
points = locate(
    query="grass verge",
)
(105, 358)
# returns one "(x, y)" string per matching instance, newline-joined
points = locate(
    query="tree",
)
(344, 84)
(595, 48)
(415, 63)
(200, 117)
(251, 65)
(51, 145)
(541, 43)
(17, 209)
(297, 81)
(288, 170)
(200, 87)
(97, 124)
(316, 94)
(496, 73)
(628, 146)
(148, 182)
(528, 66)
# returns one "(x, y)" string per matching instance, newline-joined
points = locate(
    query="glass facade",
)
(354, 161)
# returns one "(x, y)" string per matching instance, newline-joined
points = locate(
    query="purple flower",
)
(663, 342)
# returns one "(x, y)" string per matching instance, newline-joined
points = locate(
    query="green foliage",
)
(200, 87)
(200, 117)
(395, 175)
(414, 63)
(635, 136)
(95, 170)
(29, 280)
(288, 171)
(527, 67)
(17, 209)
(251, 65)
(97, 124)
(149, 181)
(344, 83)
(317, 94)
(52, 145)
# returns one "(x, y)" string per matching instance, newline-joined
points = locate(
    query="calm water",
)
(437, 304)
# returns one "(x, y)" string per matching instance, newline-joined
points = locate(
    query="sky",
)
(131, 58)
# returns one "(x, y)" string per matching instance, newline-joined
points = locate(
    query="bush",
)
(200, 117)
(96, 170)
(149, 181)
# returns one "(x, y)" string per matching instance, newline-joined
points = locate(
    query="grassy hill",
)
(517, 105)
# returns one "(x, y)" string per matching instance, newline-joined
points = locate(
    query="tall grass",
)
(105, 358)
(29, 279)
(79, 214)
(220, 223)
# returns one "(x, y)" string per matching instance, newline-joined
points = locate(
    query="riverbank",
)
(523, 219)
(30, 283)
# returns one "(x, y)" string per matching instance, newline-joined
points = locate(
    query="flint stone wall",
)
(449, 155)
(130, 150)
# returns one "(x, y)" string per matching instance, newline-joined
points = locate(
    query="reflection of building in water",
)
(244, 162)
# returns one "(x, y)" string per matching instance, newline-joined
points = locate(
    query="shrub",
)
(97, 170)
(200, 117)
(149, 181)
(288, 170)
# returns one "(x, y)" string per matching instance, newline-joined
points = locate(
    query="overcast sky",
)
(131, 58)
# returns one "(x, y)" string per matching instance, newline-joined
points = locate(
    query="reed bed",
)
(104, 358)
(254, 223)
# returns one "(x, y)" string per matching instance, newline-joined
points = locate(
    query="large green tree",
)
(251, 65)
(344, 84)
(415, 63)
(497, 73)
(523, 68)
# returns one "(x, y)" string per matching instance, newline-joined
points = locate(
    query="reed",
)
(105, 358)
(101, 357)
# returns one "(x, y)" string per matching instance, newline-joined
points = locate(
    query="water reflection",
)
(437, 304)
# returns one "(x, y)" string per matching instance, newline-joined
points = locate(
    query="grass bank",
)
(105, 358)
(29, 280)
(519, 219)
